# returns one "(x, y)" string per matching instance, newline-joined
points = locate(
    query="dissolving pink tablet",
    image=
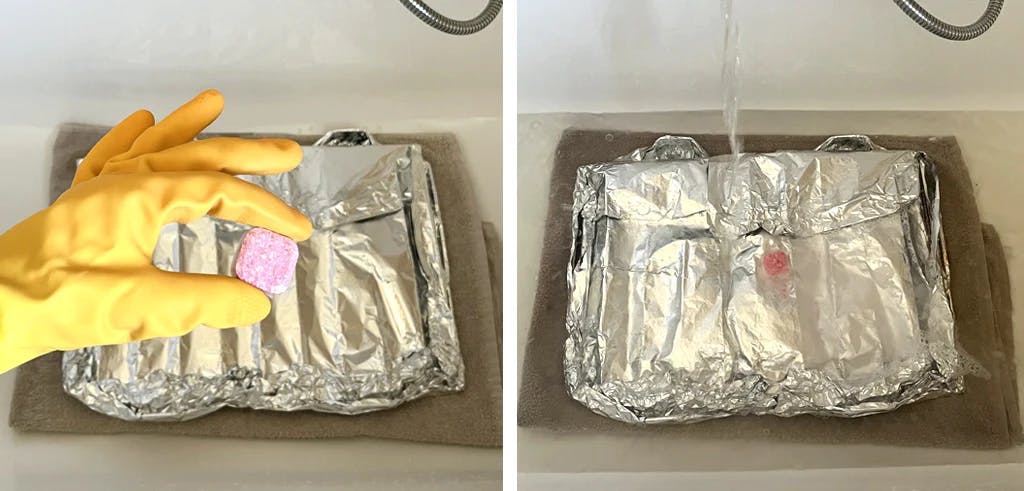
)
(267, 261)
(776, 263)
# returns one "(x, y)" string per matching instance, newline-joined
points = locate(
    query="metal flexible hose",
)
(451, 26)
(950, 31)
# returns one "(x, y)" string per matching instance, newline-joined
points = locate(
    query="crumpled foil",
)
(795, 282)
(367, 325)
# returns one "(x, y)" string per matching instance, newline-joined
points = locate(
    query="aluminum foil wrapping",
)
(803, 282)
(367, 324)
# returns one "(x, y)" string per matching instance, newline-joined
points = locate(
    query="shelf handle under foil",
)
(848, 143)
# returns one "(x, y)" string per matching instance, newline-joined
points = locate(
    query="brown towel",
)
(981, 417)
(494, 263)
(471, 417)
(1002, 307)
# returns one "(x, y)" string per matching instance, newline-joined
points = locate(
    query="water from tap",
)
(731, 76)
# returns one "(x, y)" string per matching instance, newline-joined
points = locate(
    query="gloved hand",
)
(80, 272)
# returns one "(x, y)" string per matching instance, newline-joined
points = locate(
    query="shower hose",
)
(950, 31)
(451, 26)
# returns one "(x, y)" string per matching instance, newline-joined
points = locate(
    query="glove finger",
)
(161, 303)
(180, 126)
(115, 306)
(230, 155)
(118, 140)
(166, 304)
(182, 197)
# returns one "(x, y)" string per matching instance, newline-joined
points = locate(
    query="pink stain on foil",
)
(267, 261)
(776, 263)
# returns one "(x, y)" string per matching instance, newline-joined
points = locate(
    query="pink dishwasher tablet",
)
(776, 263)
(267, 260)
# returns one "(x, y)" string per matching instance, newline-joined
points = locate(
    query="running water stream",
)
(730, 77)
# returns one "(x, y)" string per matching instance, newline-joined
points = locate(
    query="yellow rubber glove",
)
(80, 272)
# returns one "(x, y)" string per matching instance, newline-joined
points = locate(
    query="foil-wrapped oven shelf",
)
(794, 282)
(367, 325)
